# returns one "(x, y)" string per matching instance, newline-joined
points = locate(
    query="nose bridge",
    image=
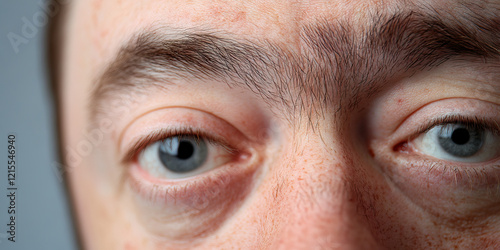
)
(315, 201)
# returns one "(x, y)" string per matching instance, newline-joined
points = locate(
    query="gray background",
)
(42, 216)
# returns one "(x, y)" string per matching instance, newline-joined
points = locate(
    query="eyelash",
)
(469, 122)
(165, 133)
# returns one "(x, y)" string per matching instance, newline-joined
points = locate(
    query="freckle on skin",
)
(228, 15)
(241, 16)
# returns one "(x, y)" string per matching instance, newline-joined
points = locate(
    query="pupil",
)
(460, 136)
(185, 150)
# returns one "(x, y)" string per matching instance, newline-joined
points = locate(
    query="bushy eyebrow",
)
(156, 57)
(338, 64)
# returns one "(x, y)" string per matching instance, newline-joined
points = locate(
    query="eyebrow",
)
(338, 64)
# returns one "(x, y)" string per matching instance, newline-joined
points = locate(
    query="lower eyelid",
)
(191, 208)
(177, 192)
(445, 173)
(443, 190)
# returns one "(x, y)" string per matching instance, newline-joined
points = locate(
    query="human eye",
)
(186, 169)
(182, 153)
(453, 143)
(459, 139)
(180, 149)
(444, 157)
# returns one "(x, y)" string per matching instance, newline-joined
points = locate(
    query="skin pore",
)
(315, 112)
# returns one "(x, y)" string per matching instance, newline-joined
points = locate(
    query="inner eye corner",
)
(402, 147)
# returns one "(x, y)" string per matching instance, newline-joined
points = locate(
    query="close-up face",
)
(282, 124)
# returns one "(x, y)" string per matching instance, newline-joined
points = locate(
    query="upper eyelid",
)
(459, 119)
(205, 113)
(423, 107)
(183, 120)
(131, 122)
(439, 111)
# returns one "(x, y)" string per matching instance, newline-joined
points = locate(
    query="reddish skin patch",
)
(370, 151)
(228, 14)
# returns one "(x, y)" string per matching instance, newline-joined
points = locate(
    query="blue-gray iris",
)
(460, 140)
(181, 154)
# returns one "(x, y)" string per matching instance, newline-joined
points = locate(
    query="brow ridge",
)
(339, 65)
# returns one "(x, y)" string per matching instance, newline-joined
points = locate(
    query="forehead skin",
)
(100, 28)
(108, 23)
(275, 20)
(97, 29)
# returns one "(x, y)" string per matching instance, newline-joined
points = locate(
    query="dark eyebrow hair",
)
(157, 57)
(338, 64)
